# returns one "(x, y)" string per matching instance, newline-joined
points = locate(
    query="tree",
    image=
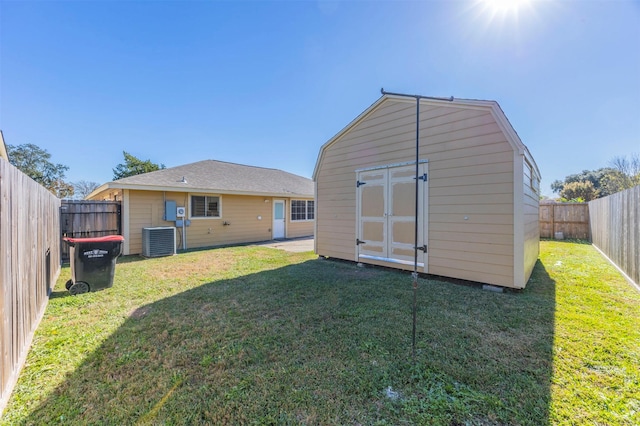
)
(134, 166)
(35, 163)
(593, 176)
(626, 173)
(84, 188)
(582, 191)
(622, 174)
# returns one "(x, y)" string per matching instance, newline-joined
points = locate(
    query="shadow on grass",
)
(59, 294)
(320, 342)
(130, 259)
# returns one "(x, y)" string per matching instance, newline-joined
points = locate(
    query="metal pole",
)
(415, 249)
(384, 92)
(415, 228)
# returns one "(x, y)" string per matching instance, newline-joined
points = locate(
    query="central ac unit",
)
(160, 241)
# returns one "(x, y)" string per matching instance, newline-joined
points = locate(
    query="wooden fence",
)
(29, 266)
(615, 229)
(84, 219)
(570, 219)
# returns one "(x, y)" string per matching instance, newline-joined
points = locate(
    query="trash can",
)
(93, 262)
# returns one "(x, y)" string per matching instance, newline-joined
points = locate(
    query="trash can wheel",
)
(68, 284)
(79, 288)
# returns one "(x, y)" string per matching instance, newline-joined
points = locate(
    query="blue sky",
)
(267, 83)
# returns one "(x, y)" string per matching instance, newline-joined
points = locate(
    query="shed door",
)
(372, 226)
(386, 215)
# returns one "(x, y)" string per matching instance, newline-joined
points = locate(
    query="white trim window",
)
(205, 206)
(302, 210)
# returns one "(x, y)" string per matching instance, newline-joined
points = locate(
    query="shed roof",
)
(3, 148)
(213, 176)
(492, 106)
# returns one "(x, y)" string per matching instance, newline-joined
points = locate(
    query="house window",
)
(302, 210)
(205, 206)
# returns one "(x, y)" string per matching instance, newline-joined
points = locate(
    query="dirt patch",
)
(139, 312)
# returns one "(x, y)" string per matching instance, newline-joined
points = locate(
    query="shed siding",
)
(470, 174)
(146, 209)
(531, 223)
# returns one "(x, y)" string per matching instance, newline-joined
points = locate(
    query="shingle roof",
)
(220, 176)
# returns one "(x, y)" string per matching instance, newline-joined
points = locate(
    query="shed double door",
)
(386, 214)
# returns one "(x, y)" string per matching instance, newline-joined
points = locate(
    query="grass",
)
(252, 335)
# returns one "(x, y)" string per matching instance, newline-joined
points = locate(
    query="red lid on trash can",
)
(107, 239)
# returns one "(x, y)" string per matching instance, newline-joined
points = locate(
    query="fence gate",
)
(86, 219)
(572, 219)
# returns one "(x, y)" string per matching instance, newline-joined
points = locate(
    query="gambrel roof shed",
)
(478, 202)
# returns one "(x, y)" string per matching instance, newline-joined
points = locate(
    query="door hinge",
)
(423, 177)
(358, 184)
(422, 248)
(358, 242)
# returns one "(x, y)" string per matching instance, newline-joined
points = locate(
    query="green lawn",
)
(252, 335)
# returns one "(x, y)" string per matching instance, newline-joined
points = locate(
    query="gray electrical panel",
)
(169, 211)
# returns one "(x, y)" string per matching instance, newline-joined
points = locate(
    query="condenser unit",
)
(159, 241)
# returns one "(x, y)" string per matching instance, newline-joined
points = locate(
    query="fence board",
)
(85, 219)
(615, 229)
(29, 264)
(572, 219)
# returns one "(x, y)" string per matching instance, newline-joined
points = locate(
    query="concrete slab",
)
(296, 245)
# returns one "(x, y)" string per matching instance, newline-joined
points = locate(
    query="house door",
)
(386, 214)
(278, 219)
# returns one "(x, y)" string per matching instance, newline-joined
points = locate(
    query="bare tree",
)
(84, 188)
(630, 167)
(626, 172)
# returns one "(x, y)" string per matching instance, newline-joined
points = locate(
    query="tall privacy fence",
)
(85, 219)
(564, 220)
(611, 223)
(615, 229)
(29, 266)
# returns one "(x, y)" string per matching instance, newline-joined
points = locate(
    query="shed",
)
(3, 148)
(478, 193)
(212, 203)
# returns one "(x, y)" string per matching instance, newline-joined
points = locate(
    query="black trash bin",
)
(93, 262)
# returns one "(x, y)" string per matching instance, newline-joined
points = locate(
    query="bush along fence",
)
(615, 229)
(29, 266)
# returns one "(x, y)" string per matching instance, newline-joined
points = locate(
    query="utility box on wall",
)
(169, 211)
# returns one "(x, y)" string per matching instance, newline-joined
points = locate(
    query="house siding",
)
(470, 175)
(531, 222)
(240, 212)
(298, 229)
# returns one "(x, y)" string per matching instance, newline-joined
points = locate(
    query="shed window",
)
(205, 206)
(302, 210)
(531, 179)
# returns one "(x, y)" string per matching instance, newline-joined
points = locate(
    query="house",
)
(221, 203)
(477, 196)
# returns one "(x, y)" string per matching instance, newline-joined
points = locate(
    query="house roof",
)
(492, 106)
(211, 176)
